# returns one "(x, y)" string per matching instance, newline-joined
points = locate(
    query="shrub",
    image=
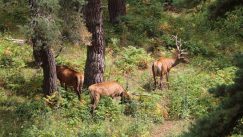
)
(135, 29)
(11, 55)
(32, 109)
(189, 96)
(133, 58)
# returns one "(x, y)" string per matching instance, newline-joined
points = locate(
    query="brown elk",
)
(70, 78)
(162, 66)
(112, 89)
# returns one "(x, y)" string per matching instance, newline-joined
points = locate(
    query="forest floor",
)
(22, 106)
(170, 128)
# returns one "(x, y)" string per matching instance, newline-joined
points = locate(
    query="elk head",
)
(125, 97)
(180, 54)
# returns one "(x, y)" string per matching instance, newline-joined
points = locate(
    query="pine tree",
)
(45, 32)
(94, 67)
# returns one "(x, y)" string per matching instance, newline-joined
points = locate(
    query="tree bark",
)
(117, 8)
(49, 70)
(94, 67)
(36, 53)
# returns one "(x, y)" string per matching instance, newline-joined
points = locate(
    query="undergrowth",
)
(24, 111)
(35, 115)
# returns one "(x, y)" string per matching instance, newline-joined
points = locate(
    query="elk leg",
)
(80, 88)
(155, 82)
(154, 77)
(79, 96)
(78, 93)
(95, 103)
(92, 103)
(167, 80)
(161, 82)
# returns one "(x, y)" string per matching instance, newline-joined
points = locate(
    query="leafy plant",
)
(133, 58)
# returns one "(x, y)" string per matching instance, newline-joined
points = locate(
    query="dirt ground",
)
(170, 128)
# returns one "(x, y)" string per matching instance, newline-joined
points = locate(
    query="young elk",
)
(112, 89)
(162, 66)
(71, 78)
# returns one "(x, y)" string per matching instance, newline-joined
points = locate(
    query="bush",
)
(134, 28)
(12, 14)
(189, 96)
(32, 109)
(133, 58)
(13, 55)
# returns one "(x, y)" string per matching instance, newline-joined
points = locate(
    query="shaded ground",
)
(170, 128)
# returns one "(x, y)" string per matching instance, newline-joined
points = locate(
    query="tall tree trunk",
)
(49, 70)
(36, 53)
(116, 8)
(94, 67)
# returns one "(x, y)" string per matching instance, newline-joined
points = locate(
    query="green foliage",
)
(189, 95)
(147, 107)
(238, 130)
(31, 109)
(226, 115)
(74, 119)
(133, 58)
(187, 3)
(45, 26)
(138, 129)
(230, 26)
(13, 62)
(12, 14)
(11, 55)
(134, 27)
(24, 112)
(219, 7)
(47, 30)
(71, 19)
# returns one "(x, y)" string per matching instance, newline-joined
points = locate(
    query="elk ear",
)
(122, 94)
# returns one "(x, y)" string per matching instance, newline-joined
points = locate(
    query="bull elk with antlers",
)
(162, 66)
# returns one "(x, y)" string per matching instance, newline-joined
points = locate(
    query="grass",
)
(24, 111)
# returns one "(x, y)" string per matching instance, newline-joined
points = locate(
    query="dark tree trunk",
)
(36, 52)
(117, 8)
(94, 67)
(49, 70)
(42, 52)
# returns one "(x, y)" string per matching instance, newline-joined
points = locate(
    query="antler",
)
(178, 45)
(175, 37)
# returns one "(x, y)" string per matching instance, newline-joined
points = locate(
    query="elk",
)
(162, 66)
(112, 89)
(71, 78)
